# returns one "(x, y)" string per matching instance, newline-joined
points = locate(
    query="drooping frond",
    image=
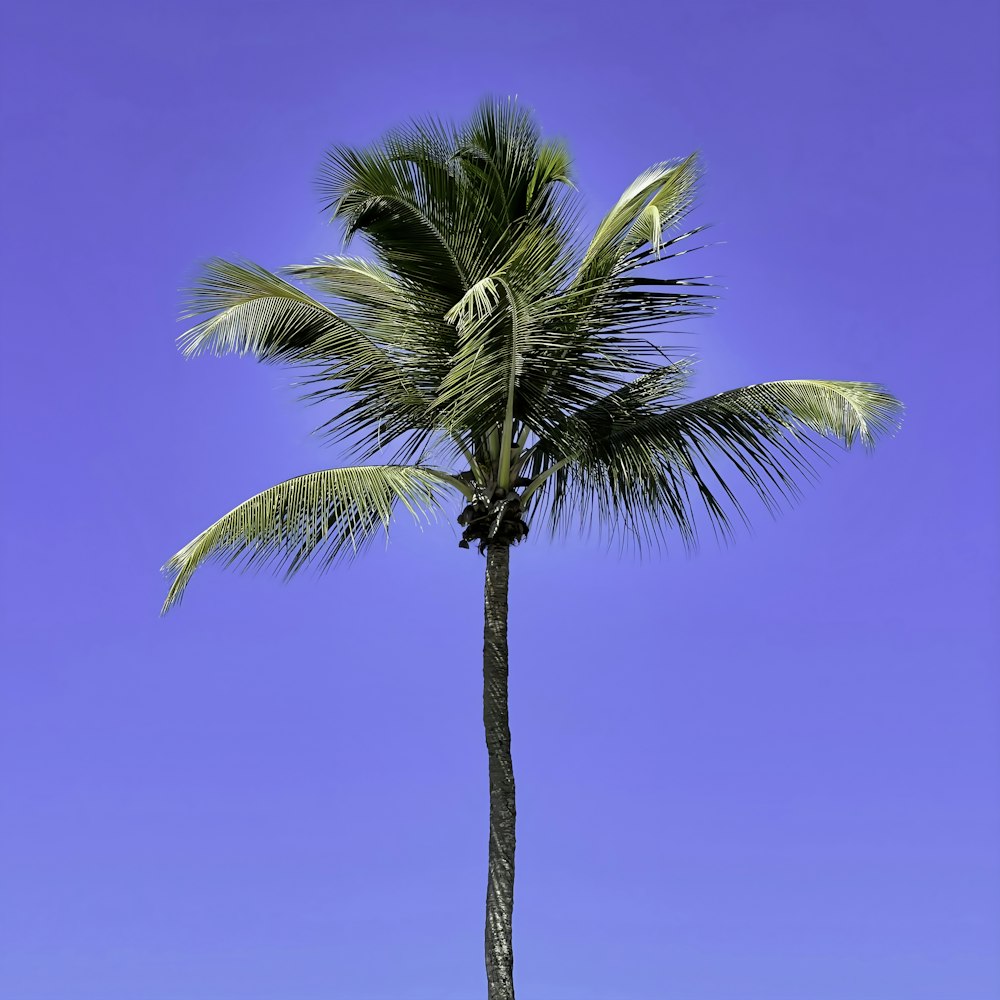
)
(253, 311)
(250, 310)
(844, 411)
(642, 469)
(360, 282)
(626, 406)
(329, 515)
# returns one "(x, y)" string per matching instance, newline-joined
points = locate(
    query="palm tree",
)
(482, 349)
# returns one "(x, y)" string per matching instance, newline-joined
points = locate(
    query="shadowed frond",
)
(639, 465)
(329, 515)
(401, 196)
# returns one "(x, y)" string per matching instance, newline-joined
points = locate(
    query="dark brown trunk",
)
(500, 885)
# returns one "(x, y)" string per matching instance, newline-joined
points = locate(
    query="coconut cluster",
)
(494, 520)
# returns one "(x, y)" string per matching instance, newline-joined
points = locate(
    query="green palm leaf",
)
(329, 515)
(253, 311)
(360, 282)
(654, 202)
(637, 459)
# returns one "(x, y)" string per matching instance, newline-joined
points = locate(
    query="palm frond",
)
(250, 310)
(655, 201)
(641, 470)
(510, 172)
(358, 281)
(253, 311)
(844, 411)
(477, 304)
(606, 293)
(329, 515)
(401, 194)
(552, 166)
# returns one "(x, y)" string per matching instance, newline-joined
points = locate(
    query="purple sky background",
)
(768, 772)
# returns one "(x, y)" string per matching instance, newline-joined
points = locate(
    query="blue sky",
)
(766, 772)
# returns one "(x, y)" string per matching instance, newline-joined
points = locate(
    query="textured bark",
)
(500, 884)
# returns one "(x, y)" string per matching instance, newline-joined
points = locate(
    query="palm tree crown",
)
(482, 347)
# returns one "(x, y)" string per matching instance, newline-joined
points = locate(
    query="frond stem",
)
(507, 437)
(493, 448)
(464, 488)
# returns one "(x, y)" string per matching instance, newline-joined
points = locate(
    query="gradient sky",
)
(768, 772)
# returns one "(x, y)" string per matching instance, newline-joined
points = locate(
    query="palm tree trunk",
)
(500, 884)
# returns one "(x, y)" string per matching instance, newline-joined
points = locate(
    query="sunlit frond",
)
(329, 515)
(356, 280)
(845, 411)
(552, 166)
(250, 310)
(656, 200)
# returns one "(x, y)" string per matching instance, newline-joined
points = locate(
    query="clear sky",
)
(768, 772)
